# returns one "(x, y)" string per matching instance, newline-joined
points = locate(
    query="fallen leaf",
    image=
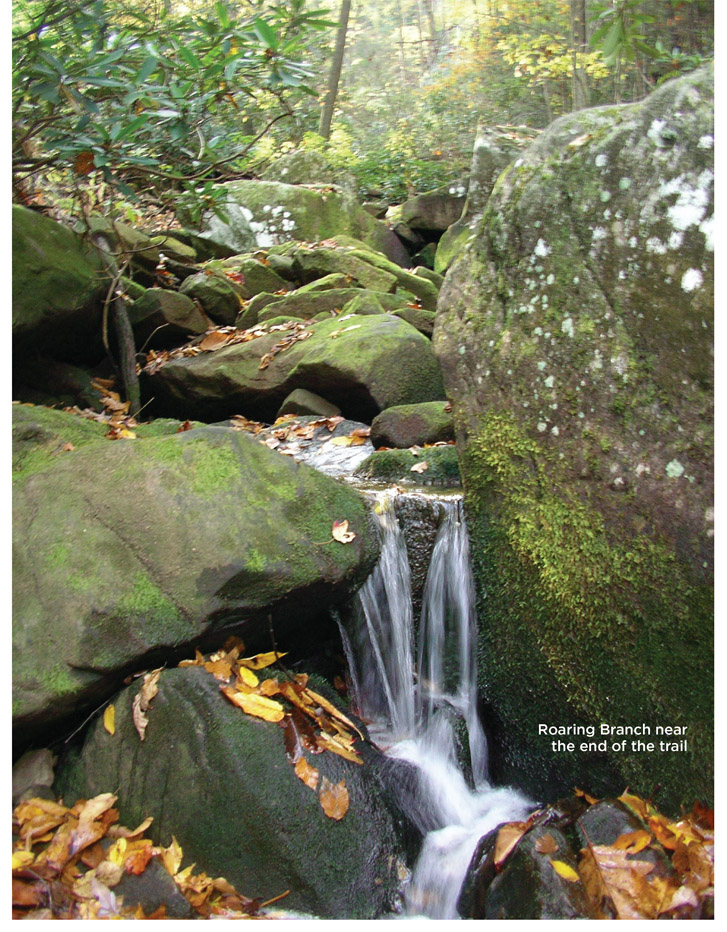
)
(565, 871)
(546, 844)
(22, 859)
(139, 717)
(120, 831)
(333, 798)
(338, 747)
(246, 676)
(220, 669)
(305, 772)
(150, 687)
(343, 441)
(633, 842)
(591, 800)
(341, 533)
(611, 876)
(252, 704)
(67, 448)
(330, 708)
(420, 467)
(260, 661)
(508, 836)
(214, 340)
(109, 719)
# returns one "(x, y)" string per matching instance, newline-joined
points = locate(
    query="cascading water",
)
(427, 715)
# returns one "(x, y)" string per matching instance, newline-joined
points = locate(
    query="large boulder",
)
(308, 167)
(219, 781)
(362, 364)
(276, 212)
(130, 549)
(58, 290)
(575, 335)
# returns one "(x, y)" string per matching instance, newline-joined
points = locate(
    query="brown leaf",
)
(140, 719)
(420, 467)
(332, 710)
(612, 877)
(306, 773)
(338, 747)
(214, 340)
(341, 533)
(508, 836)
(27, 894)
(84, 163)
(220, 669)
(546, 844)
(185, 425)
(333, 798)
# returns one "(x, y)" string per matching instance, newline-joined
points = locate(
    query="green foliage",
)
(140, 99)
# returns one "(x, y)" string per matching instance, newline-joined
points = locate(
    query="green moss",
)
(145, 600)
(59, 681)
(596, 622)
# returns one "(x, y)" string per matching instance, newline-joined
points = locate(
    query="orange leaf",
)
(214, 340)
(508, 836)
(306, 773)
(546, 844)
(591, 800)
(333, 798)
(633, 842)
(260, 661)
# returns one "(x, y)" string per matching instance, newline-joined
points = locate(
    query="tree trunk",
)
(334, 76)
(580, 90)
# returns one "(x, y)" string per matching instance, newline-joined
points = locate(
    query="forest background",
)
(133, 106)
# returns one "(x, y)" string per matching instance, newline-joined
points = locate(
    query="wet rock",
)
(575, 333)
(219, 781)
(442, 466)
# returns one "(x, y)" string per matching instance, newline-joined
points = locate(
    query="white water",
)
(418, 712)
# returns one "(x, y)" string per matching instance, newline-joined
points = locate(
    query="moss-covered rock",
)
(442, 466)
(161, 317)
(575, 336)
(130, 549)
(302, 401)
(276, 213)
(58, 290)
(305, 304)
(406, 425)
(218, 296)
(256, 275)
(220, 782)
(419, 318)
(308, 167)
(433, 211)
(362, 364)
(310, 264)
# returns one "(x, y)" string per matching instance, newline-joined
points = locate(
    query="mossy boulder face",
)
(128, 550)
(308, 167)
(434, 211)
(310, 264)
(430, 466)
(278, 212)
(256, 276)
(406, 425)
(58, 290)
(217, 295)
(575, 336)
(220, 782)
(362, 364)
(305, 304)
(161, 317)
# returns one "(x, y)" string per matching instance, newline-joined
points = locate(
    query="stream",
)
(416, 686)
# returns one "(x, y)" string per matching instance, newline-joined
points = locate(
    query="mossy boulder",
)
(302, 401)
(127, 550)
(308, 167)
(161, 317)
(58, 290)
(363, 365)
(310, 264)
(406, 425)
(220, 782)
(441, 466)
(575, 334)
(278, 212)
(43, 380)
(256, 276)
(433, 211)
(305, 304)
(218, 296)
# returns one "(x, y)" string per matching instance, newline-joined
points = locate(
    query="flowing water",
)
(418, 691)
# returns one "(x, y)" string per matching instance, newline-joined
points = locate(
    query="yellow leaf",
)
(260, 661)
(246, 676)
(332, 710)
(172, 857)
(565, 871)
(306, 773)
(109, 719)
(334, 799)
(24, 858)
(633, 842)
(337, 747)
(341, 441)
(252, 704)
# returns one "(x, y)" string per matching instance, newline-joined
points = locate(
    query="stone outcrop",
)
(575, 333)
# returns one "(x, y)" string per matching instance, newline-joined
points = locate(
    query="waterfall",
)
(426, 714)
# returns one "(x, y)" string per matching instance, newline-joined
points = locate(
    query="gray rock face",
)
(406, 425)
(575, 335)
(129, 549)
(220, 783)
(163, 318)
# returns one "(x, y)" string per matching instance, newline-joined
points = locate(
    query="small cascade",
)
(426, 713)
